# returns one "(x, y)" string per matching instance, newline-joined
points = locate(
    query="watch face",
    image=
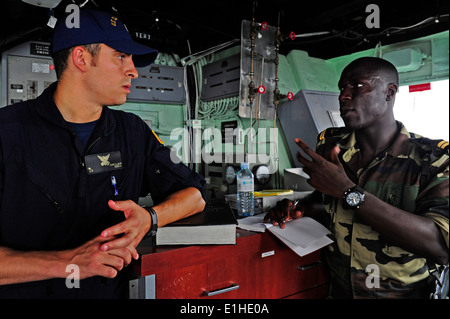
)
(353, 199)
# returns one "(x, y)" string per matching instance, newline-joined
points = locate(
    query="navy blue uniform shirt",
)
(54, 192)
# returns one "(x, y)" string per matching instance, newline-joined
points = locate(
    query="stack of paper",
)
(216, 224)
(303, 235)
(253, 223)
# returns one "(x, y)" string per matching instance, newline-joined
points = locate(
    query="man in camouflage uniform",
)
(398, 223)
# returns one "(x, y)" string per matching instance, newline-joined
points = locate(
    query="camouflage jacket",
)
(394, 176)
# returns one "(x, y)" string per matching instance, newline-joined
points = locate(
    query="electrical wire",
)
(414, 25)
(350, 34)
(190, 59)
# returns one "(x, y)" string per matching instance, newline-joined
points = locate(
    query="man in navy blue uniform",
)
(72, 171)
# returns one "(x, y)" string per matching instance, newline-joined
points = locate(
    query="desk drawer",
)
(259, 266)
(183, 283)
(257, 276)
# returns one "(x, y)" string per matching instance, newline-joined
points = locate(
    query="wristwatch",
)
(353, 197)
(154, 227)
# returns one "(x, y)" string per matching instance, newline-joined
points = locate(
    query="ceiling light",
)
(43, 3)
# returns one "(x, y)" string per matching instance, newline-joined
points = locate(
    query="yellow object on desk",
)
(273, 192)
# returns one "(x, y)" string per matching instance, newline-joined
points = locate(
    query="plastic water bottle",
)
(245, 191)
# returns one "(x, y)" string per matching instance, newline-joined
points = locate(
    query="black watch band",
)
(356, 188)
(154, 227)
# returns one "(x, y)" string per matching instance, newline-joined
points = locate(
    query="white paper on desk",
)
(254, 223)
(303, 235)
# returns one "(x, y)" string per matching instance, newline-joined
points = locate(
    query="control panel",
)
(26, 71)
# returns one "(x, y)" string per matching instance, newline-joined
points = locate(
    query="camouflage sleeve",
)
(433, 202)
(442, 223)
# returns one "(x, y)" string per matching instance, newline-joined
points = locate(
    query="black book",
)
(215, 225)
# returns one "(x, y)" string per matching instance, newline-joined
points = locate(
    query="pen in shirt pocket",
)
(114, 184)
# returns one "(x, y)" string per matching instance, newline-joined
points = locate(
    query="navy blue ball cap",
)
(100, 27)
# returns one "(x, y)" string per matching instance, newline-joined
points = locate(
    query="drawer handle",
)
(318, 263)
(220, 291)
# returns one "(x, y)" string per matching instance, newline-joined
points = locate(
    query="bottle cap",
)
(244, 165)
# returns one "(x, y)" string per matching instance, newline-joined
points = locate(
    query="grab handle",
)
(318, 263)
(220, 291)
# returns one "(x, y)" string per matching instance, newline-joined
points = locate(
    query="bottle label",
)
(245, 186)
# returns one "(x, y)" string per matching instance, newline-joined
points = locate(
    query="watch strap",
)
(351, 189)
(358, 189)
(154, 222)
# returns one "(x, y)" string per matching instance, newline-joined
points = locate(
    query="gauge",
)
(230, 174)
(262, 174)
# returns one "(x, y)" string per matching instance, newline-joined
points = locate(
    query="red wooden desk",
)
(259, 266)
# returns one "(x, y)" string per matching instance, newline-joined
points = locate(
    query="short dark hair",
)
(60, 58)
(389, 71)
